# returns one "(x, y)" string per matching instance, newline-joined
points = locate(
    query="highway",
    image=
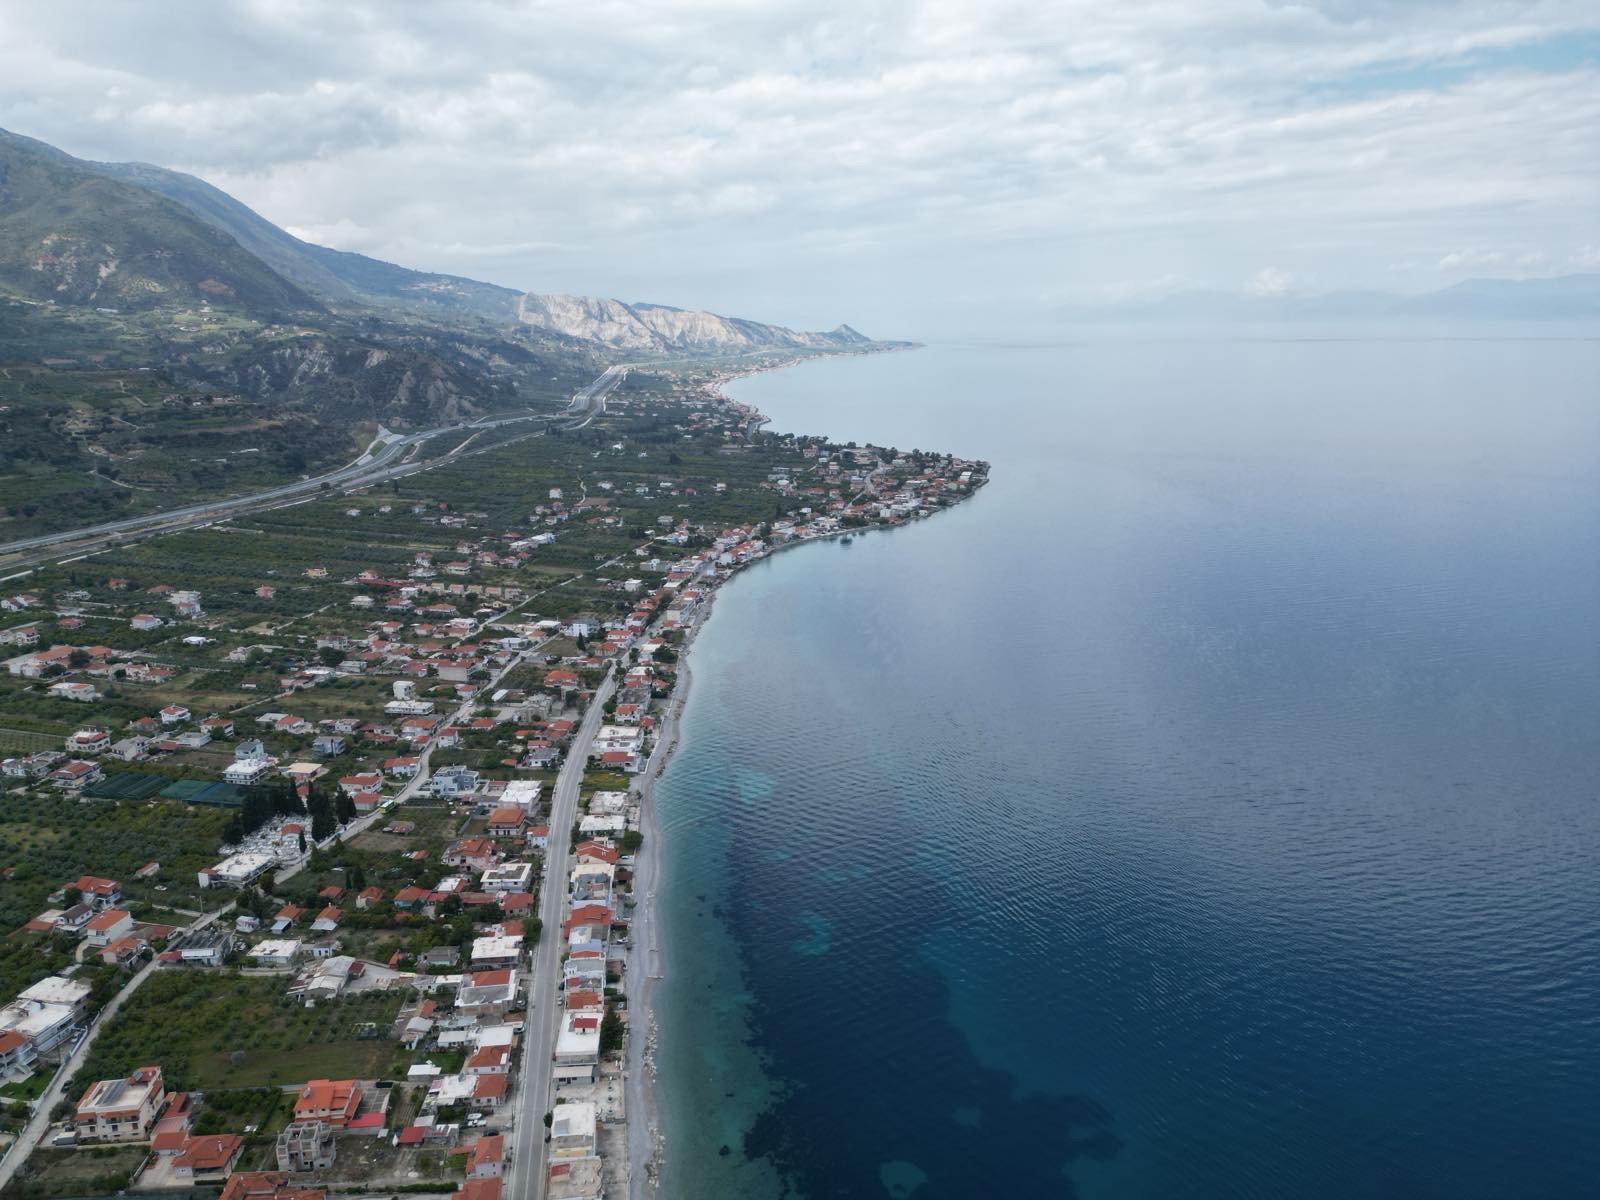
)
(374, 466)
(607, 382)
(527, 1173)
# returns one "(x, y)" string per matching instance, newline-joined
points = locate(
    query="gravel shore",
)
(646, 965)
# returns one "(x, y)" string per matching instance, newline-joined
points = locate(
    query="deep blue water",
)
(1210, 808)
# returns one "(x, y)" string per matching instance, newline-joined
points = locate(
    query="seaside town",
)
(327, 831)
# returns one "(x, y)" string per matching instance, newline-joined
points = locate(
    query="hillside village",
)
(321, 787)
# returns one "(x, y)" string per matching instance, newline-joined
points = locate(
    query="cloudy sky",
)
(892, 164)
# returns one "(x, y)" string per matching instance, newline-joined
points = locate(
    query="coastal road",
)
(39, 1124)
(544, 1007)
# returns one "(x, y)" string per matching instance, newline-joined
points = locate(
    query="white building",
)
(523, 793)
(237, 869)
(572, 1130)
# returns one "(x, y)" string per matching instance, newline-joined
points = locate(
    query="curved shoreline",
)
(647, 965)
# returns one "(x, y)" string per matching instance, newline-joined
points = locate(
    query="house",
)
(280, 952)
(73, 920)
(496, 950)
(595, 825)
(507, 822)
(485, 1160)
(174, 714)
(478, 1189)
(334, 1101)
(364, 781)
(206, 947)
(237, 870)
(328, 745)
(572, 1130)
(76, 775)
(250, 748)
(489, 1091)
(454, 780)
(107, 926)
(210, 1157)
(538, 836)
(123, 952)
(302, 772)
(71, 689)
(487, 993)
(218, 727)
(366, 802)
(145, 622)
(44, 1023)
(508, 877)
(406, 767)
(306, 1146)
(267, 1185)
(369, 896)
(247, 772)
(327, 920)
(477, 853)
(411, 896)
(16, 1055)
(489, 1060)
(120, 1110)
(98, 891)
(89, 741)
(129, 749)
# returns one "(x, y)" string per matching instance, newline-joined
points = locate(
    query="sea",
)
(1208, 808)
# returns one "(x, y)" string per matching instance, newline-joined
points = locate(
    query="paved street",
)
(526, 1178)
(40, 1122)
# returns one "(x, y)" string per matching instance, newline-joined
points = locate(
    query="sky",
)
(895, 165)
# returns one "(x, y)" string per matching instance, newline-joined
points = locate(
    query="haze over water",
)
(1209, 808)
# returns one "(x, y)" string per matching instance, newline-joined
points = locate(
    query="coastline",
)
(646, 1141)
(647, 965)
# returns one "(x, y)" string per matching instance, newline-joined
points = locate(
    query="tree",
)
(330, 656)
(345, 808)
(610, 1031)
(79, 659)
(302, 841)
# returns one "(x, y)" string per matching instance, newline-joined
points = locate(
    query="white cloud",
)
(818, 160)
(1270, 281)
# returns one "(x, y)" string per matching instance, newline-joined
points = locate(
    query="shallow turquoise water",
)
(1206, 809)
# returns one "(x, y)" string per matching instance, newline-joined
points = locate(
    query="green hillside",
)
(71, 235)
(333, 275)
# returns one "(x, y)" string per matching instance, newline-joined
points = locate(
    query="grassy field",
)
(52, 840)
(23, 741)
(102, 1170)
(219, 1029)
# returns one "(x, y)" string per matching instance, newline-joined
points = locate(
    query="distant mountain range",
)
(1565, 297)
(135, 236)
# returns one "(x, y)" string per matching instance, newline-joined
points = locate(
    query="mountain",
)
(346, 280)
(337, 276)
(656, 328)
(1566, 297)
(72, 235)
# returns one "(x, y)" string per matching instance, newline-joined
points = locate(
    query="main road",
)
(544, 1008)
(376, 465)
